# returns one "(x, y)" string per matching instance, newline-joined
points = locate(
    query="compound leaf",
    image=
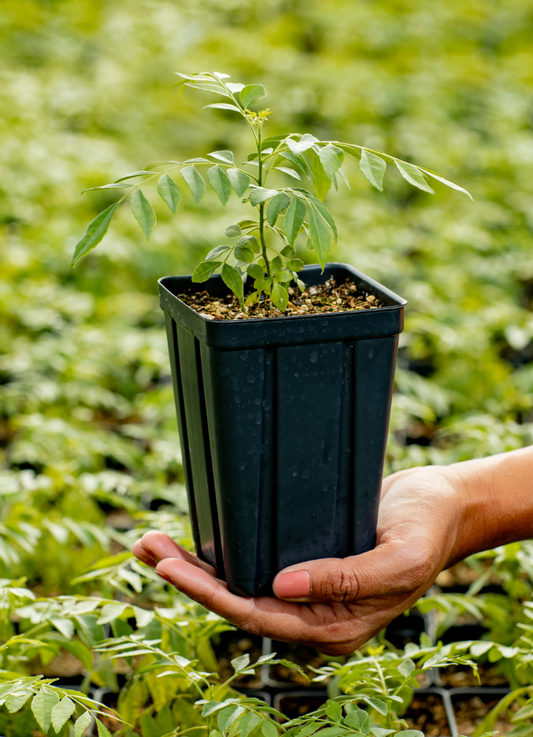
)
(232, 279)
(143, 213)
(204, 270)
(240, 181)
(413, 175)
(169, 191)
(94, 233)
(276, 206)
(294, 218)
(194, 181)
(373, 168)
(251, 94)
(218, 179)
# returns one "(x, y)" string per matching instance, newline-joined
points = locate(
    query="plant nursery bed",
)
(428, 711)
(232, 644)
(327, 297)
(281, 676)
(470, 706)
(458, 676)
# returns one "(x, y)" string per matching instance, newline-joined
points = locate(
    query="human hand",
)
(335, 605)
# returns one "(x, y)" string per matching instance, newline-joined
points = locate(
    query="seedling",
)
(262, 249)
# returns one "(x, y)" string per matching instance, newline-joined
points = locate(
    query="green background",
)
(87, 94)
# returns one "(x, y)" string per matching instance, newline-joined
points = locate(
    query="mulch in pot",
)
(470, 710)
(232, 644)
(427, 713)
(462, 676)
(323, 298)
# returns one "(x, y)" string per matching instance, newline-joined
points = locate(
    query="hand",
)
(335, 605)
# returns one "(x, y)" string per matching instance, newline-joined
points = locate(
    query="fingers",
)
(156, 546)
(266, 615)
(390, 569)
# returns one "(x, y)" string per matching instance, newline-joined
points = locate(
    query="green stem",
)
(262, 205)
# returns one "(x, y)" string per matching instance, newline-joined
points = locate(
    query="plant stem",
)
(262, 205)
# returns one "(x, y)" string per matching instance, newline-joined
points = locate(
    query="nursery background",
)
(89, 452)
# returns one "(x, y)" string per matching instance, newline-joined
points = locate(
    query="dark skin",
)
(430, 518)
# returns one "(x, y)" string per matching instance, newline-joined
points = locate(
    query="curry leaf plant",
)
(262, 248)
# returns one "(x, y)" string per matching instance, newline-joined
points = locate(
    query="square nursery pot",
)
(283, 424)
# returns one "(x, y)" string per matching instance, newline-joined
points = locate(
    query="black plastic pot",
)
(283, 425)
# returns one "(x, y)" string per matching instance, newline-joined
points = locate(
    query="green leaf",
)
(42, 706)
(377, 704)
(226, 156)
(276, 206)
(241, 663)
(250, 720)
(324, 213)
(333, 711)
(244, 253)
(251, 242)
(406, 668)
(220, 182)
(204, 270)
(169, 191)
(291, 172)
(331, 158)
(268, 729)
(16, 701)
(414, 176)
(263, 284)
(373, 167)
(320, 179)
(82, 723)
(240, 181)
(251, 299)
(251, 94)
(333, 731)
(223, 106)
(212, 706)
(108, 186)
(260, 194)
(279, 296)
(102, 729)
(411, 733)
(194, 181)
(131, 176)
(256, 271)
(143, 213)
(294, 218)
(294, 264)
(94, 233)
(306, 142)
(228, 716)
(233, 230)
(358, 720)
(447, 183)
(216, 251)
(232, 279)
(320, 236)
(62, 712)
(380, 732)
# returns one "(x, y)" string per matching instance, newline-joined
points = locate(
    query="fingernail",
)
(147, 553)
(292, 585)
(165, 576)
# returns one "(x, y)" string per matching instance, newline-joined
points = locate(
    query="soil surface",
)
(327, 297)
(469, 713)
(460, 676)
(232, 645)
(427, 714)
(302, 656)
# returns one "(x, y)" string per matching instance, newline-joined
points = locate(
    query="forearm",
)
(497, 493)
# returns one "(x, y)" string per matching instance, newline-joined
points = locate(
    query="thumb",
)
(390, 569)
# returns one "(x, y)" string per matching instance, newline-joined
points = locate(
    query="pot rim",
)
(399, 302)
